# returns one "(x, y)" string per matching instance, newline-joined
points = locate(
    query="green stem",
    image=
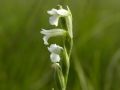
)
(68, 43)
(63, 71)
(59, 78)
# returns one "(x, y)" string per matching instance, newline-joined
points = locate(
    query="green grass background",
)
(95, 59)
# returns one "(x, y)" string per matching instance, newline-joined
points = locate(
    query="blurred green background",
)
(95, 59)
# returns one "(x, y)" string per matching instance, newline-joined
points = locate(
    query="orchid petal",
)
(51, 33)
(55, 48)
(54, 57)
(54, 20)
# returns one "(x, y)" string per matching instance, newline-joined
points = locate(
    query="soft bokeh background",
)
(95, 60)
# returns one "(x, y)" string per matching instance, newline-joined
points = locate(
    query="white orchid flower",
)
(51, 33)
(55, 51)
(56, 14)
(54, 57)
(55, 48)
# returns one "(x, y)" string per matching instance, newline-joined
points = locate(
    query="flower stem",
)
(68, 43)
(59, 78)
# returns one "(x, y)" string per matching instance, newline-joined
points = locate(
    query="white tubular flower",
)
(55, 51)
(55, 48)
(56, 14)
(52, 33)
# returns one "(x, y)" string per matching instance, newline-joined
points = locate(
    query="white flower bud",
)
(54, 57)
(55, 51)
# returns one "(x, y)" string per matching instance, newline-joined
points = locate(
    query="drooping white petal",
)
(51, 33)
(55, 48)
(54, 57)
(62, 12)
(45, 39)
(52, 12)
(59, 12)
(53, 20)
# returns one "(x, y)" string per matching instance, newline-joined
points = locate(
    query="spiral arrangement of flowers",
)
(60, 55)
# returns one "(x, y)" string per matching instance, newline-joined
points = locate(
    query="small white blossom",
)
(51, 33)
(54, 57)
(55, 51)
(56, 14)
(55, 48)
